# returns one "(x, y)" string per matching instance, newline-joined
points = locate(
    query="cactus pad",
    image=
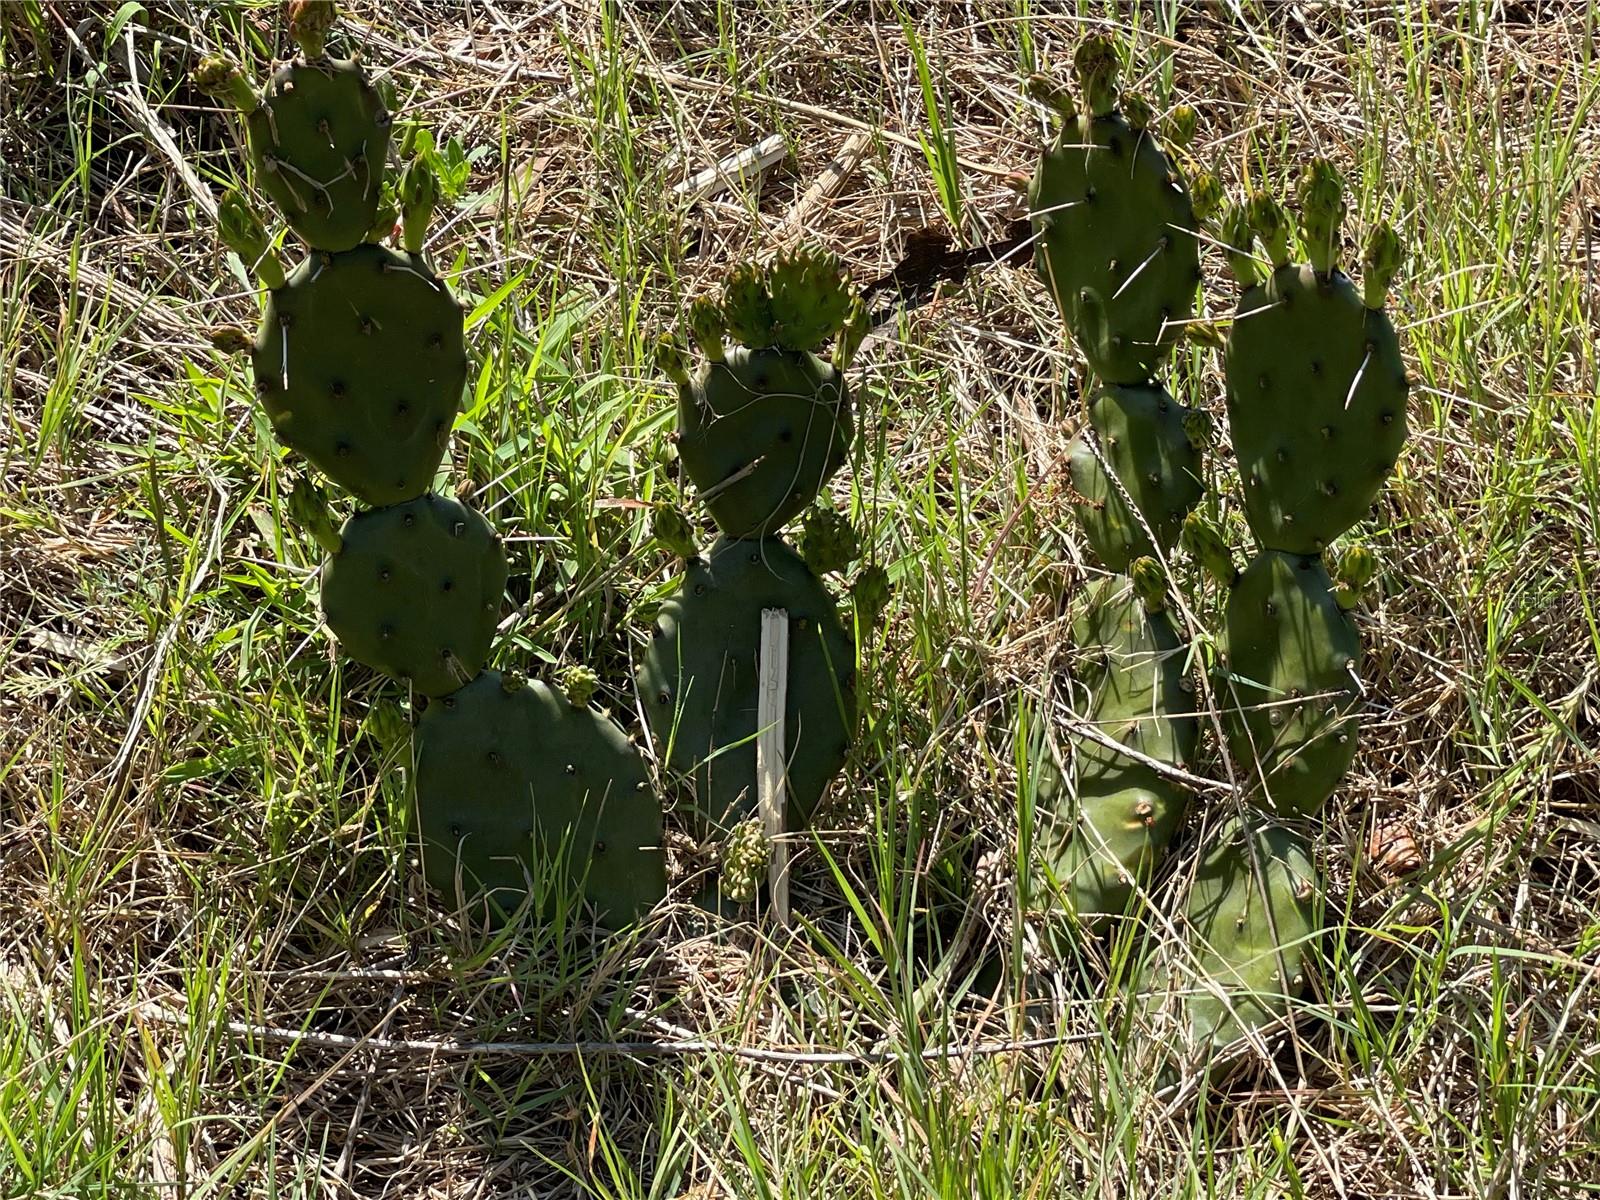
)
(760, 434)
(1288, 641)
(1144, 439)
(359, 363)
(1114, 832)
(1317, 406)
(699, 680)
(1253, 935)
(415, 591)
(318, 141)
(1117, 245)
(515, 783)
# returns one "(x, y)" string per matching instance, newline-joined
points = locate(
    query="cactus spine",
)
(359, 363)
(1117, 248)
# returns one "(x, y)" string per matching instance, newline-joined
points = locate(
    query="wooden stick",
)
(771, 791)
(827, 185)
(747, 164)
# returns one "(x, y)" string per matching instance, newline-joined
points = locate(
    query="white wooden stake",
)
(771, 765)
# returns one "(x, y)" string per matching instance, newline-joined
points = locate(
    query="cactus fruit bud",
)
(1270, 222)
(383, 224)
(706, 327)
(512, 681)
(870, 595)
(1380, 263)
(230, 339)
(1149, 582)
(579, 684)
(1180, 125)
(308, 507)
(1238, 240)
(1053, 94)
(746, 854)
(217, 75)
(747, 306)
(242, 232)
(1204, 543)
(670, 360)
(1199, 428)
(672, 529)
(1357, 566)
(309, 22)
(1205, 333)
(1322, 210)
(1137, 112)
(828, 542)
(388, 725)
(1205, 194)
(419, 194)
(857, 324)
(1097, 64)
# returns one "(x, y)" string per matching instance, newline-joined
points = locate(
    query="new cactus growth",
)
(414, 591)
(1104, 838)
(698, 680)
(746, 853)
(1357, 566)
(1144, 437)
(515, 785)
(764, 424)
(1116, 230)
(360, 364)
(1316, 386)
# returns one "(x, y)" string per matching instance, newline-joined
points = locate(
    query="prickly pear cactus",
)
(1149, 441)
(699, 676)
(1108, 834)
(763, 425)
(515, 786)
(746, 855)
(1116, 228)
(1254, 919)
(1316, 385)
(1291, 692)
(415, 591)
(360, 365)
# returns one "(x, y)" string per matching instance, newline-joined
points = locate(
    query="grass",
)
(219, 974)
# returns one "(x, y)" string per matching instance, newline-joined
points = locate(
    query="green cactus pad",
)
(698, 680)
(318, 142)
(1098, 843)
(415, 592)
(1317, 406)
(1106, 204)
(1144, 440)
(1287, 639)
(1253, 936)
(515, 783)
(761, 433)
(360, 363)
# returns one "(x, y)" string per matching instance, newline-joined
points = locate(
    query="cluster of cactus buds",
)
(359, 365)
(764, 422)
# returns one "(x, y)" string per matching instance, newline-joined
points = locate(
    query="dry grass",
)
(218, 973)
